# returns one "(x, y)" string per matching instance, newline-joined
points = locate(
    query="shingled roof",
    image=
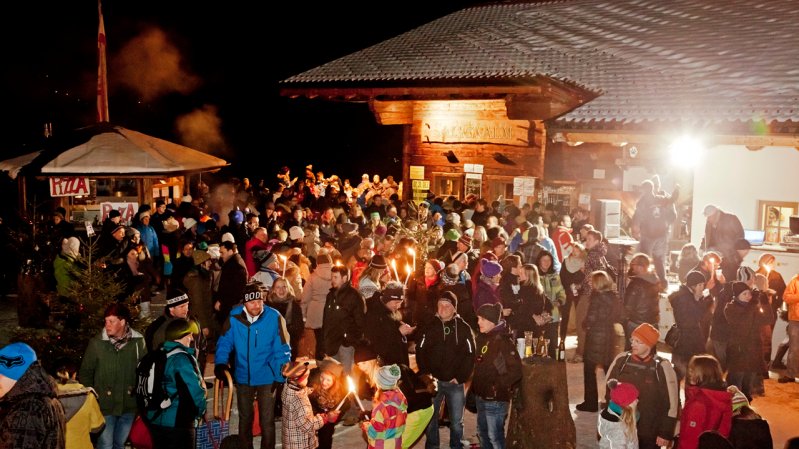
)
(707, 61)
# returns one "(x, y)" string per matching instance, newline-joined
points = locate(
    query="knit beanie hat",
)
(296, 233)
(744, 274)
(622, 393)
(490, 312)
(264, 258)
(693, 278)
(15, 360)
(228, 237)
(436, 264)
(452, 235)
(648, 334)
(71, 246)
(175, 297)
(449, 297)
(465, 239)
(254, 290)
(490, 268)
(179, 328)
(199, 256)
(738, 398)
(392, 292)
(387, 377)
(378, 262)
(738, 288)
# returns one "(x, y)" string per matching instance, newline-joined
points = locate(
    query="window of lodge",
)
(774, 218)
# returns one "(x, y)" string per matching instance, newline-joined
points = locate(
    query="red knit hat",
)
(622, 393)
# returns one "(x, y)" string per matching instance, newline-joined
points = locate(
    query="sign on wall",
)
(523, 186)
(127, 210)
(69, 186)
(417, 172)
(494, 131)
(473, 185)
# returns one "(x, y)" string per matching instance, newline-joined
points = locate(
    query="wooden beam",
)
(392, 112)
(529, 107)
(619, 137)
(363, 94)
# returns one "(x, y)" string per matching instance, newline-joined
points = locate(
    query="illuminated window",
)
(774, 218)
(448, 184)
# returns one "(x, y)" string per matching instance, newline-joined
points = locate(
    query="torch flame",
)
(350, 384)
(411, 251)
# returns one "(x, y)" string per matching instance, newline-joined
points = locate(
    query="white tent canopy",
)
(114, 149)
(14, 165)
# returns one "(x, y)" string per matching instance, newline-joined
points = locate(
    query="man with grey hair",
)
(722, 230)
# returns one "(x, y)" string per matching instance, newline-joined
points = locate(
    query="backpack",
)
(150, 391)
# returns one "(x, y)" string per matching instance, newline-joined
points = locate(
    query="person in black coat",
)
(232, 280)
(344, 318)
(603, 311)
(689, 305)
(641, 296)
(745, 313)
(385, 330)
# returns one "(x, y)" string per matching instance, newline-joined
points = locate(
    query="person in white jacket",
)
(313, 297)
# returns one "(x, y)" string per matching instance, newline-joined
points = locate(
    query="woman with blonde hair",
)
(373, 277)
(572, 273)
(532, 312)
(603, 311)
(281, 298)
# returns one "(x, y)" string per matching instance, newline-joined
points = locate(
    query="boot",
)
(782, 349)
(144, 310)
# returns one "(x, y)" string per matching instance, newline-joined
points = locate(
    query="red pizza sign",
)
(69, 186)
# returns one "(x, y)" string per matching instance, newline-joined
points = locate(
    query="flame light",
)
(351, 387)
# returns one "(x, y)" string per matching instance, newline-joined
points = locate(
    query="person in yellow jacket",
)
(81, 408)
(791, 299)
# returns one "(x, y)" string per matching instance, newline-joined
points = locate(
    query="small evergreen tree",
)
(90, 292)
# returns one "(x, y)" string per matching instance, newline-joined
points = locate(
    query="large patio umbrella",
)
(105, 149)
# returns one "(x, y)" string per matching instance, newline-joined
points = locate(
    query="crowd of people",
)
(295, 293)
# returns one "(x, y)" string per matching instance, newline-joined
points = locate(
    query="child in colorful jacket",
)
(384, 430)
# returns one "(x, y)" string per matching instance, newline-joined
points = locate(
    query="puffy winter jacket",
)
(260, 348)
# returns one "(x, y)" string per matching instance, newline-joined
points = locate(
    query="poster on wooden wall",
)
(473, 185)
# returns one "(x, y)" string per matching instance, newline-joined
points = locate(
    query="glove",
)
(219, 372)
(364, 416)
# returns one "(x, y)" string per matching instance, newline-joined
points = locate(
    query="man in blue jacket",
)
(256, 337)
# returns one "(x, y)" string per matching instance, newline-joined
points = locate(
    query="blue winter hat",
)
(15, 360)
(238, 217)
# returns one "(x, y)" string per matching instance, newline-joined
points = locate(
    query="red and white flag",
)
(102, 74)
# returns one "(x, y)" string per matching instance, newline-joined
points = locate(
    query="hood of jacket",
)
(35, 381)
(649, 277)
(719, 398)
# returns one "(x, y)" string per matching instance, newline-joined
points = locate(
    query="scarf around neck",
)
(120, 342)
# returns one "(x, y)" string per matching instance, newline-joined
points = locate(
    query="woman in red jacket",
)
(708, 404)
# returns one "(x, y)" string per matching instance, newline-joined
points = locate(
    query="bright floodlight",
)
(686, 151)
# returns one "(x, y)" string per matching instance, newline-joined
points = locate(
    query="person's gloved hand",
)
(364, 415)
(219, 372)
(332, 416)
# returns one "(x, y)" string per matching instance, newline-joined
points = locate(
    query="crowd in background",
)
(355, 277)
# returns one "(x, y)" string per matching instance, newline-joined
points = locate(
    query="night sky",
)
(204, 74)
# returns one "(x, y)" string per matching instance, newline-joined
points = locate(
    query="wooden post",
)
(543, 419)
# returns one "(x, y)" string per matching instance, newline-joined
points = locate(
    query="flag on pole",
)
(102, 74)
